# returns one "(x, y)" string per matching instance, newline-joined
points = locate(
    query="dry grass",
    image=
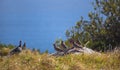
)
(28, 60)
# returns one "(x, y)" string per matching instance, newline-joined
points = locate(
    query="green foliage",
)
(10, 46)
(58, 41)
(103, 29)
(39, 50)
(2, 45)
(46, 51)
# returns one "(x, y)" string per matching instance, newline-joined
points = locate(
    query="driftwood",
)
(63, 45)
(75, 49)
(57, 48)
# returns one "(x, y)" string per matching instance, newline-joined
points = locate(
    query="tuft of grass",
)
(29, 60)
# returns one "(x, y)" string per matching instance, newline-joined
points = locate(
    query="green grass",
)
(28, 60)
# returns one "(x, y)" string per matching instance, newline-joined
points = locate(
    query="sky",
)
(39, 22)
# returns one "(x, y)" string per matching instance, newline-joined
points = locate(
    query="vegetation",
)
(4, 49)
(102, 31)
(32, 60)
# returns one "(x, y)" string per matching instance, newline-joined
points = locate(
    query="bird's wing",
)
(13, 50)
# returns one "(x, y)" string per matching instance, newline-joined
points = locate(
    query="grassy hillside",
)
(28, 60)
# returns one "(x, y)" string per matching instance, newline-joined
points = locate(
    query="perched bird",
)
(16, 49)
(24, 46)
(20, 43)
(57, 49)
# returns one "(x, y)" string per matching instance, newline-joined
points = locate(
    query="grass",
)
(28, 60)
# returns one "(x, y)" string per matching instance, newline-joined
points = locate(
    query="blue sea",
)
(39, 22)
(36, 32)
(36, 35)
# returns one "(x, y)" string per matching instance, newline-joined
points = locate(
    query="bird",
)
(24, 46)
(16, 49)
(20, 43)
(57, 49)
